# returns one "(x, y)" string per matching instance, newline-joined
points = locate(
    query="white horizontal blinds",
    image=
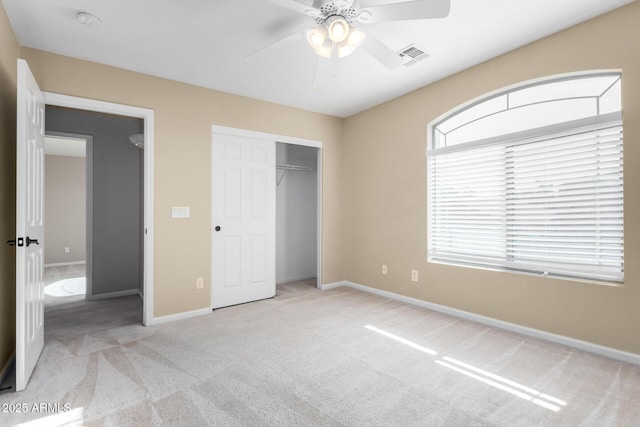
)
(565, 204)
(468, 192)
(552, 204)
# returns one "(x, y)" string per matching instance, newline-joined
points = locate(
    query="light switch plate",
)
(180, 212)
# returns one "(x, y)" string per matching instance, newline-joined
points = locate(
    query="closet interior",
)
(296, 212)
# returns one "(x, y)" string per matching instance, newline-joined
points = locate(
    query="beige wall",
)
(9, 51)
(65, 209)
(374, 181)
(183, 118)
(384, 194)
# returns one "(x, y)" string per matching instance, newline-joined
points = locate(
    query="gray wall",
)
(65, 208)
(116, 193)
(296, 215)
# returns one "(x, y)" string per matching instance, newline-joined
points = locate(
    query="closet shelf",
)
(293, 168)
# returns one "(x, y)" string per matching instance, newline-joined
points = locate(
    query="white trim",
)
(68, 101)
(558, 130)
(88, 217)
(148, 116)
(180, 316)
(63, 264)
(512, 87)
(266, 136)
(319, 204)
(7, 367)
(511, 327)
(328, 286)
(115, 294)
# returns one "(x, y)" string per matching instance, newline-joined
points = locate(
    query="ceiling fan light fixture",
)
(316, 37)
(344, 49)
(347, 47)
(356, 37)
(325, 51)
(338, 29)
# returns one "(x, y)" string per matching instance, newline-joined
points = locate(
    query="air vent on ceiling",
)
(412, 55)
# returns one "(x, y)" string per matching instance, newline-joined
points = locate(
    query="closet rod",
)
(285, 168)
(293, 168)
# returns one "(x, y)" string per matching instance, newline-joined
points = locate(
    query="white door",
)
(29, 225)
(243, 215)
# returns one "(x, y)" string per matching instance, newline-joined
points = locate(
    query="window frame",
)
(521, 137)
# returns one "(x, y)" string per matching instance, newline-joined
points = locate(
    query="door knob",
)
(218, 228)
(30, 241)
(16, 242)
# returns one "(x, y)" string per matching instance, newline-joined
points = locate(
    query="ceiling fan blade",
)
(297, 7)
(406, 11)
(344, 4)
(381, 52)
(278, 44)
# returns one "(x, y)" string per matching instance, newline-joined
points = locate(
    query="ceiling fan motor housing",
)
(329, 8)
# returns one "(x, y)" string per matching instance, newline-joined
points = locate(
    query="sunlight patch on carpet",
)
(67, 287)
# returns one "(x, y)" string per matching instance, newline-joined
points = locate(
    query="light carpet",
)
(308, 357)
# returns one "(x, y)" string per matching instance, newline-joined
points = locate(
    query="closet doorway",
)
(239, 259)
(296, 213)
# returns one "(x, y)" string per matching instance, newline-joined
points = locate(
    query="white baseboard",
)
(296, 278)
(327, 286)
(180, 316)
(7, 367)
(512, 327)
(116, 294)
(63, 264)
(141, 295)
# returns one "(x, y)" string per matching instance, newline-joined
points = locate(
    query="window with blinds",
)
(530, 180)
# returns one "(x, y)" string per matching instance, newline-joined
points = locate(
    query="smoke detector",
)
(87, 18)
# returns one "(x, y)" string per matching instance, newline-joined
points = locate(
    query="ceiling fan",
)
(339, 25)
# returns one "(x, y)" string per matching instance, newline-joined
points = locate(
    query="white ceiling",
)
(203, 42)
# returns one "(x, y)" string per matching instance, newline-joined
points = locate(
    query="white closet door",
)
(243, 214)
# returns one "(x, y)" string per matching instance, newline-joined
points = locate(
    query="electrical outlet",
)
(384, 269)
(414, 275)
(66, 250)
(199, 283)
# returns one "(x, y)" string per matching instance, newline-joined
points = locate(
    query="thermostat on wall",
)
(180, 212)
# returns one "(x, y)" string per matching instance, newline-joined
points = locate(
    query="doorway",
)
(296, 213)
(234, 256)
(67, 158)
(143, 129)
(30, 124)
(113, 209)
